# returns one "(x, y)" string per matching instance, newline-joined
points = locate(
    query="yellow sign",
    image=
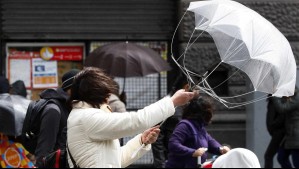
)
(47, 53)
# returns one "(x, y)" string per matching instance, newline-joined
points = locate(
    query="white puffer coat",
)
(93, 134)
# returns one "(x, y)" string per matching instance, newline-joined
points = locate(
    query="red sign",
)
(59, 53)
(23, 54)
(67, 53)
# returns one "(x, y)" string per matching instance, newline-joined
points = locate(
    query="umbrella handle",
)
(124, 84)
(136, 152)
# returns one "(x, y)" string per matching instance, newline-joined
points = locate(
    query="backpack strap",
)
(51, 101)
(33, 113)
(62, 111)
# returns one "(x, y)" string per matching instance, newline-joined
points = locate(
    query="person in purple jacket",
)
(190, 140)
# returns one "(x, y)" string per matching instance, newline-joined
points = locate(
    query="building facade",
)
(90, 22)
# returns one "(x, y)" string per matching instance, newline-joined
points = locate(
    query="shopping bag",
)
(13, 155)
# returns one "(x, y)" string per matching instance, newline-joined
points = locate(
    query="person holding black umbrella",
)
(125, 60)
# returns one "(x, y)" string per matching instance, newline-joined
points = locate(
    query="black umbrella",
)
(127, 60)
(12, 114)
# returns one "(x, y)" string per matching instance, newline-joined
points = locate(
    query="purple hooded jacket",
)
(188, 136)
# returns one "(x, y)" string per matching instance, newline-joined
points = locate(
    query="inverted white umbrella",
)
(249, 42)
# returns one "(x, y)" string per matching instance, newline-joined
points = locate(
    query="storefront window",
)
(41, 65)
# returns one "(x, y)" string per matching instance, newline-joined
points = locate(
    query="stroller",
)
(209, 162)
(237, 158)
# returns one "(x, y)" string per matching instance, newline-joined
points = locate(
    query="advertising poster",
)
(42, 63)
(44, 73)
(18, 72)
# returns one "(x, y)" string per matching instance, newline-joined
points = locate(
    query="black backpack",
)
(32, 122)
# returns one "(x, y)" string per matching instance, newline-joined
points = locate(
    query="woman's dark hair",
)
(92, 86)
(200, 109)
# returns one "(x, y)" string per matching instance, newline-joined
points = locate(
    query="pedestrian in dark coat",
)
(160, 147)
(276, 128)
(190, 139)
(289, 106)
(52, 134)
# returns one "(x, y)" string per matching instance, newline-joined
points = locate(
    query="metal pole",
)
(159, 87)
(2, 47)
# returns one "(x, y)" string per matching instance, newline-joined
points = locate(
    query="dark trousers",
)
(284, 158)
(160, 147)
(273, 148)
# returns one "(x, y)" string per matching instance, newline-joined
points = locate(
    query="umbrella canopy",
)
(127, 60)
(249, 42)
(13, 110)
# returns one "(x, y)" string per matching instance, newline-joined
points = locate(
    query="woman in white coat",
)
(93, 131)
